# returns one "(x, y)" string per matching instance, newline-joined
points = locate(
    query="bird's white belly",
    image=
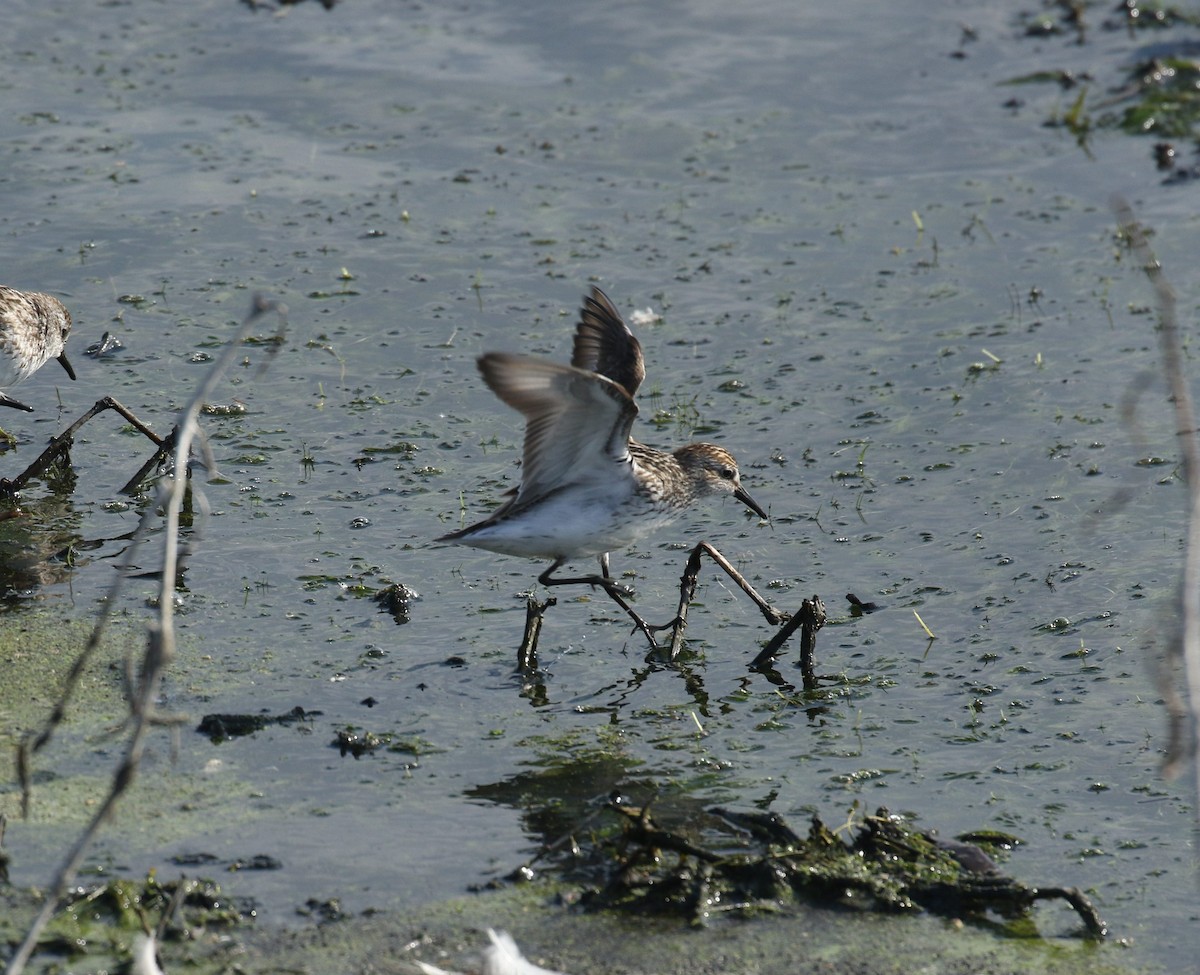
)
(572, 523)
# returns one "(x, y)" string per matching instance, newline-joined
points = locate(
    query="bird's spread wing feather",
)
(577, 422)
(605, 345)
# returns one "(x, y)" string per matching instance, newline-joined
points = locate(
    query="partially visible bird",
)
(33, 330)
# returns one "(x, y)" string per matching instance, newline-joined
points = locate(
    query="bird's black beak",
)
(66, 365)
(744, 496)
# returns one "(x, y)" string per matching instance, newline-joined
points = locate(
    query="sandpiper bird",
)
(33, 329)
(587, 487)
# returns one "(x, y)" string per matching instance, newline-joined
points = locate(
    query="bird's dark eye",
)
(728, 473)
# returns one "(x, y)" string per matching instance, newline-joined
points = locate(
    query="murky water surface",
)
(898, 302)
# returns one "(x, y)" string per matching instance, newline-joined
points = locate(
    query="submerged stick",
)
(809, 621)
(534, 613)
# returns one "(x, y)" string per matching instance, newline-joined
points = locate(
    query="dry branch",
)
(1183, 709)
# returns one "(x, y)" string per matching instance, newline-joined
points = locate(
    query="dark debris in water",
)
(223, 727)
(260, 861)
(358, 743)
(748, 863)
(257, 861)
(233, 408)
(860, 607)
(107, 344)
(395, 600)
(276, 4)
(322, 911)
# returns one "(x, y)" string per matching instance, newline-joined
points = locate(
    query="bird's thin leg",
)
(687, 589)
(607, 583)
(612, 588)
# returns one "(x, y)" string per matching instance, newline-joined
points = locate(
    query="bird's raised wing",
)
(577, 422)
(605, 345)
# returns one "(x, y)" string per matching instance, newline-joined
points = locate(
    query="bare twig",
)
(60, 446)
(687, 589)
(1183, 710)
(160, 642)
(809, 621)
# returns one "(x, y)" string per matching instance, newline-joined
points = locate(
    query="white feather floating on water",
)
(642, 318)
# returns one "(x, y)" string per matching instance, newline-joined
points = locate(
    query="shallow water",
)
(899, 303)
